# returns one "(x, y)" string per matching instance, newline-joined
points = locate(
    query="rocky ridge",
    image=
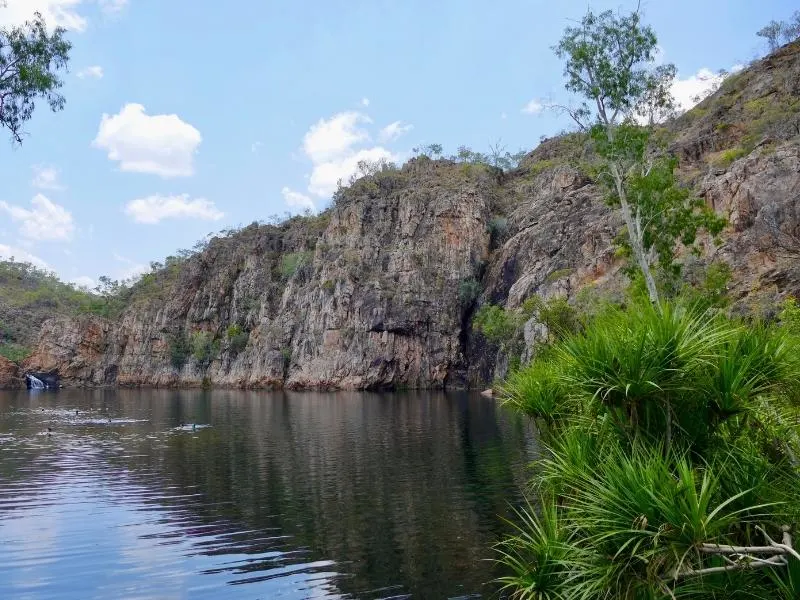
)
(379, 291)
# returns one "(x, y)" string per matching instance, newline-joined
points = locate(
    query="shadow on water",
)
(294, 495)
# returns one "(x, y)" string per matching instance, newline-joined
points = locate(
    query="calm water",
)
(272, 495)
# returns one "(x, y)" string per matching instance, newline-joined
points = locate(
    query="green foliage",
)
(560, 318)
(505, 328)
(496, 324)
(29, 296)
(540, 166)
(606, 57)
(179, 349)
(430, 151)
(237, 338)
(728, 157)
(286, 361)
(30, 61)
(558, 274)
(777, 32)
(468, 291)
(292, 262)
(328, 285)
(14, 352)
(666, 428)
(497, 228)
(711, 290)
(609, 62)
(789, 316)
(663, 212)
(205, 348)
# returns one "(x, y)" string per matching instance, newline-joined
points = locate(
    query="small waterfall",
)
(35, 383)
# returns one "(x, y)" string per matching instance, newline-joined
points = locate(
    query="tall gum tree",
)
(610, 64)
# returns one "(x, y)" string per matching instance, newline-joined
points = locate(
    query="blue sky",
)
(187, 117)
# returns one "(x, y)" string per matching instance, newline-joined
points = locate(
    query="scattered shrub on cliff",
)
(557, 314)
(286, 361)
(496, 324)
(468, 291)
(205, 348)
(179, 349)
(237, 338)
(294, 261)
(497, 228)
(710, 287)
(432, 151)
(504, 328)
(727, 157)
(14, 352)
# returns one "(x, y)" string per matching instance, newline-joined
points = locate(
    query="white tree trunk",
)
(635, 236)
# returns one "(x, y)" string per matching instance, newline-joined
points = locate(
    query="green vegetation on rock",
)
(30, 295)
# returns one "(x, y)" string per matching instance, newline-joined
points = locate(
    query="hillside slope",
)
(379, 291)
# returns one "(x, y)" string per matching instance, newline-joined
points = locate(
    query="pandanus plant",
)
(671, 463)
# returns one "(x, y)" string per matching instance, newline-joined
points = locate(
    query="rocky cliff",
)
(379, 291)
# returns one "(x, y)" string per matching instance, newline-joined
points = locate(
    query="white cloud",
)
(154, 209)
(83, 282)
(393, 131)
(20, 255)
(111, 7)
(46, 221)
(159, 144)
(329, 139)
(255, 147)
(534, 107)
(325, 176)
(297, 200)
(332, 145)
(686, 91)
(690, 91)
(46, 178)
(56, 13)
(93, 72)
(365, 102)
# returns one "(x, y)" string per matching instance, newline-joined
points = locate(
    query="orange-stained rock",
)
(10, 376)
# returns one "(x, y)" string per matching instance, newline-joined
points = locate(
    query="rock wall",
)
(10, 376)
(379, 291)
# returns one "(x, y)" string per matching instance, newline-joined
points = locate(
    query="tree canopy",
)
(30, 61)
(609, 63)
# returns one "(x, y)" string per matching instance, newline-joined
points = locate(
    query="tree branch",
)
(742, 557)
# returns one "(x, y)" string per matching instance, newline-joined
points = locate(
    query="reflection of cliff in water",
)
(407, 489)
(397, 489)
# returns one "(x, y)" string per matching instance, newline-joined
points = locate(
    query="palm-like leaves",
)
(667, 429)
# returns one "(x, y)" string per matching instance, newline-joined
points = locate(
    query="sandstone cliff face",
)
(10, 376)
(379, 291)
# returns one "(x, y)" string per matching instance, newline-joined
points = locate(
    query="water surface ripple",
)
(228, 494)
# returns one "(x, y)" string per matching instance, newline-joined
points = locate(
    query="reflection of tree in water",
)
(399, 490)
